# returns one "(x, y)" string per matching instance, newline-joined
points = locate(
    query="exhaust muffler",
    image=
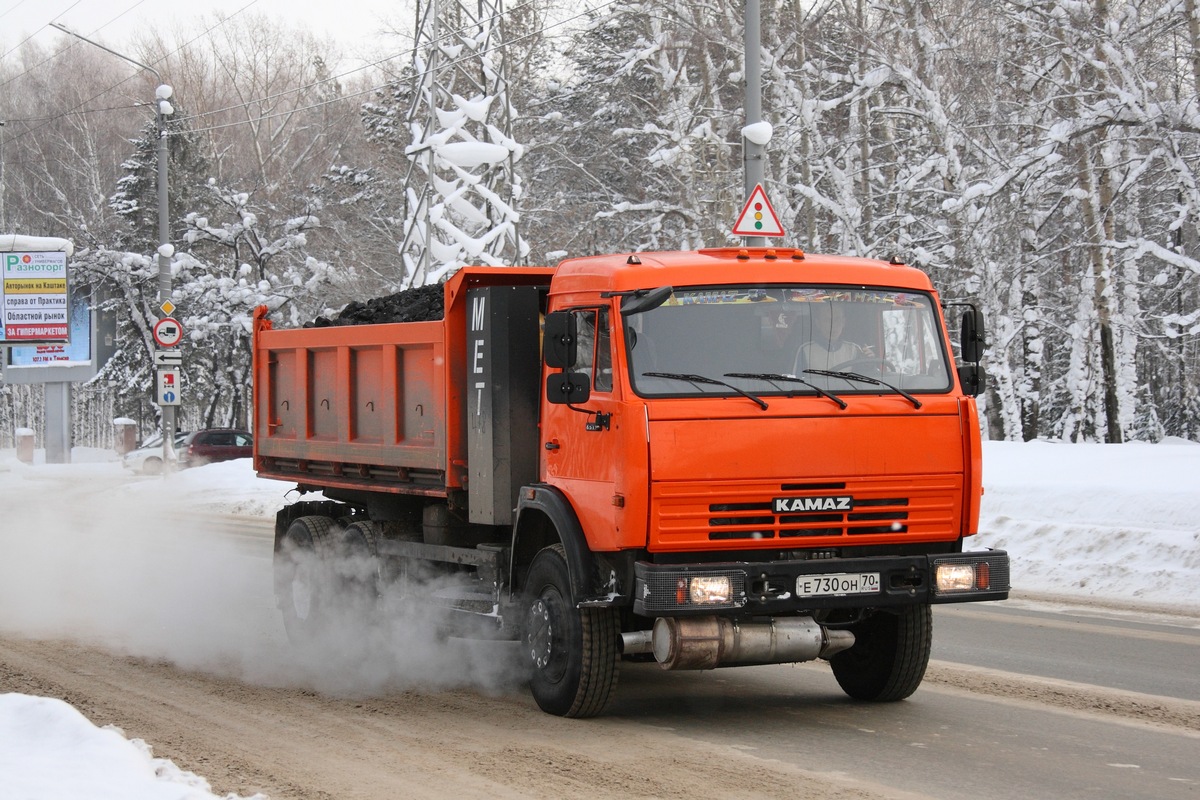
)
(710, 642)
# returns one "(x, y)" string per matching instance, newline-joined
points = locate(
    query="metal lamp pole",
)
(753, 154)
(3, 219)
(165, 251)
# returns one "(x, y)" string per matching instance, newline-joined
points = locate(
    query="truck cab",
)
(753, 438)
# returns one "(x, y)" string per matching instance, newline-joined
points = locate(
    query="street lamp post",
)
(162, 107)
(3, 219)
(753, 154)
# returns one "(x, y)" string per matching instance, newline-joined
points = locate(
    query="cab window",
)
(595, 347)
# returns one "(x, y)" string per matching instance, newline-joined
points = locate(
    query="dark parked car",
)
(215, 444)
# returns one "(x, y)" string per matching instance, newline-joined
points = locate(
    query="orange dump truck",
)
(712, 458)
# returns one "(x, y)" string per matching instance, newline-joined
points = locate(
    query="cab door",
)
(582, 455)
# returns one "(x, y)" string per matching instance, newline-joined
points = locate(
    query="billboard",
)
(77, 350)
(33, 298)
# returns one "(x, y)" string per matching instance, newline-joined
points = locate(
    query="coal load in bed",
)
(421, 304)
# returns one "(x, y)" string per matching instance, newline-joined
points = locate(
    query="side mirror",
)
(972, 335)
(560, 340)
(973, 379)
(645, 300)
(568, 388)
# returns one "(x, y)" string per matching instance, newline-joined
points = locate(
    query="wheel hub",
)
(539, 634)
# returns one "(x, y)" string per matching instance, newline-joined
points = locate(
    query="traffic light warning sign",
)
(758, 217)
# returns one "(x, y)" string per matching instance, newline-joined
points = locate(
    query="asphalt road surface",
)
(1023, 700)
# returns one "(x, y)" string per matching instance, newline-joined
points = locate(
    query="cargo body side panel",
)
(353, 406)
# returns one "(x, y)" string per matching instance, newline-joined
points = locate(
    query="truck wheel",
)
(572, 652)
(302, 581)
(357, 566)
(889, 656)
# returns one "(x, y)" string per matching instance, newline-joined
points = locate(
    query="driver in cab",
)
(826, 349)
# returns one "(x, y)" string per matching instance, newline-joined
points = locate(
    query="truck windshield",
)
(754, 338)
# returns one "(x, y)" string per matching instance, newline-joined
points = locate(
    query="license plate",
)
(837, 583)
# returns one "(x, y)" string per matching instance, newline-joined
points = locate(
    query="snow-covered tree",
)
(225, 269)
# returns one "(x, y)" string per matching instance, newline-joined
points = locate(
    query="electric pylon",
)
(461, 188)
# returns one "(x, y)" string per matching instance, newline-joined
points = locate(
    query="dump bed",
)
(376, 407)
(341, 406)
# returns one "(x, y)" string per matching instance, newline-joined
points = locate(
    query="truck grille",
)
(807, 515)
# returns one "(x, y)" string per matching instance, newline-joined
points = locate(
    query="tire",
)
(303, 581)
(889, 656)
(357, 568)
(152, 466)
(572, 653)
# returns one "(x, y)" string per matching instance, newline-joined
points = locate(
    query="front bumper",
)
(771, 588)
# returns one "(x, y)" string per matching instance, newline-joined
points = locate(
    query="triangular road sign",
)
(758, 217)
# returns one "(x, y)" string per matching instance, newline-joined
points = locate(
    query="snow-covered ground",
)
(1100, 524)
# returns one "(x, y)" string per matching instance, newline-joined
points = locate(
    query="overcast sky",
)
(113, 21)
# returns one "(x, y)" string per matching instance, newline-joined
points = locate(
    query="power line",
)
(17, 46)
(323, 103)
(31, 120)
(77, 108)
(347, 74)
(320, 104)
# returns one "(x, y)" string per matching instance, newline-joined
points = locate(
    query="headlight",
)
(955, 578)
(708, 590)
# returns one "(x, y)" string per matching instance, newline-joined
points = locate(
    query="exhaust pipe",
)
(709, 642)
(636, 642)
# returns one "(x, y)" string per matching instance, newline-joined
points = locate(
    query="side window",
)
(602, 380)
(595, 348)
(911, 342)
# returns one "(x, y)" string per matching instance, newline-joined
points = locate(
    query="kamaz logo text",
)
(790, 505)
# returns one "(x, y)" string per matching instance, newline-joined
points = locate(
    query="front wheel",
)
(572, 653)
(889, 656)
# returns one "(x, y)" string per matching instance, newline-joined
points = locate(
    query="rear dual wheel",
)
(303, 584)
(357, 568)
(323, 570)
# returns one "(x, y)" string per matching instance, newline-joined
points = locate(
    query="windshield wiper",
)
(854, 376)
(774, 377)
(678, 376)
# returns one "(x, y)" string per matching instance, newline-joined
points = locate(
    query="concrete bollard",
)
(125, 438)
(24, 438)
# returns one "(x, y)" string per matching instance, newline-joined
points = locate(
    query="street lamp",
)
(162, 108)
(3, 219)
